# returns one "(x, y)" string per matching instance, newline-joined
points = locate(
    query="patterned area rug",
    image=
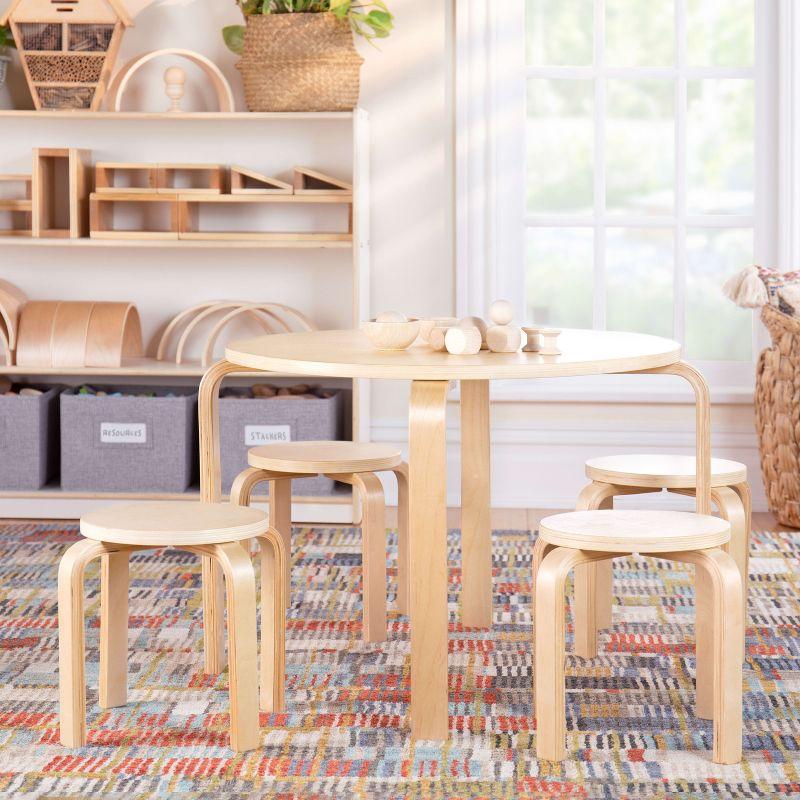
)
(632, 729)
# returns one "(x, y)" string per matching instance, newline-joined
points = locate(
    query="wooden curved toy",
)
(217, 329)
(126, 73)
(78, 334)
(12, 300)
(5, 349)
(115, 333)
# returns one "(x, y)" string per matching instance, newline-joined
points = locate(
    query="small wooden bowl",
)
(391, 335)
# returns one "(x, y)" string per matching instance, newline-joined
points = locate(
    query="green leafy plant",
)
(6, 39)
(370, 19)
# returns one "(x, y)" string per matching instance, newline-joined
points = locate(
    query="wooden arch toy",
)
(5, 349)
(266, 315)
(126, 73)
(12, 301)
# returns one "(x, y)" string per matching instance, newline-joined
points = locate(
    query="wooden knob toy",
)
(174, 81)
(436, 338)
(475, 322)
(463, 341)
(542, 341)
(502, 337)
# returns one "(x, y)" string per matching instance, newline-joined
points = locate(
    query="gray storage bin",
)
(129, 444)
(29, 439)
(249, 422)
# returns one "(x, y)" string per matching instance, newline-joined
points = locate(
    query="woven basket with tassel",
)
(299, 62)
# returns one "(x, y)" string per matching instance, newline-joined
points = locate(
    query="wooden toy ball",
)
(501, 312)
(174, 80)
(475, 322)
(391, 316)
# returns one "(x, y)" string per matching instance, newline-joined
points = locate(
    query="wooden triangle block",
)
(247, 181)
(309, 181)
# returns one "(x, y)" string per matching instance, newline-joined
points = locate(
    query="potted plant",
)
(298, 55)
(6, 41)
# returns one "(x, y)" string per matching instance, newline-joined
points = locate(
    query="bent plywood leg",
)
(725, 615)
(280, 518)
(403, 573)
(743, 490)
(114, 579)
(240, 586)
(476, 528)
(71, 641)
(373, 551)
(210, 492)
(428, 551)
(731, 508)
(273, 622)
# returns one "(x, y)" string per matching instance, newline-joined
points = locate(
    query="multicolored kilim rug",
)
(632, 729)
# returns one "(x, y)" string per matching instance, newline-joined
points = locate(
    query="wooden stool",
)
(208, 529)
(584, 537)
(349, 462)
(640, 474)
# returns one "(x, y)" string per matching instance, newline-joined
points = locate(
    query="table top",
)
(349, 354)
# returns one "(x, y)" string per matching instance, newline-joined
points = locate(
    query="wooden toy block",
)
(476, 322)
(114, 334)
(310, 181)
(503, 338)
(102, 215)
(18, 209)
(67, 48)
(463, 341)
(542, 341)
(35, 333)
(200, 178)
(61, 184)
(125, 177)
(248, 181)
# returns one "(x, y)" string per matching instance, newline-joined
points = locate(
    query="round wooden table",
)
(349, 354)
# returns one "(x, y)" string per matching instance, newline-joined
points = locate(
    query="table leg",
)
(210, 492)
(428, 551)
(476, 528)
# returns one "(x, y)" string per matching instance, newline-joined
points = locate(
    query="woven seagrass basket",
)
(777, 402)
(299, 62)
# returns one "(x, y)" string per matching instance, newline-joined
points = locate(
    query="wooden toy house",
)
(67, 48)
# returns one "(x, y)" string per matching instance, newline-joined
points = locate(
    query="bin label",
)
(266, 434)
(123, 432)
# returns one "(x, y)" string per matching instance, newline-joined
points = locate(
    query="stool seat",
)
(178, 523)
(661, 471)
(627, 531)
(313, 458)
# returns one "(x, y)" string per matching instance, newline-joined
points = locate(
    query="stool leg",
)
(280, 518)
(403, 571)
(71, 641)
(593, 580)
(213, 617)
(273, 621)
(373, 558)
(114, 580)
(240, 586)
(724, 615)
(549, 651)
(731, 508)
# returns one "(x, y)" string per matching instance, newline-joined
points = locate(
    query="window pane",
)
(716, 329)
(640, 146)
(560, 145)
(639, 269)
(640, 33)
(720, 146)
(720, 32)
(559, 32)
(558, 278)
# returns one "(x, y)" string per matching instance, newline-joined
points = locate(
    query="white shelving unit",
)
(329, 281)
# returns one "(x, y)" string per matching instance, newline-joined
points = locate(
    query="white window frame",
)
(490, 80)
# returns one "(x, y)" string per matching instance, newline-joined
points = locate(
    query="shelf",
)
(185, 116)
(27, 241)
(137, 368)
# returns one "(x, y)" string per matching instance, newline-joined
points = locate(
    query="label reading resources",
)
(123, 432)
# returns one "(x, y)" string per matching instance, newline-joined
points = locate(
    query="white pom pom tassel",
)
(746, 289)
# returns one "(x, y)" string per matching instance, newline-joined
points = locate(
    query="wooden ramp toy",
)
(311, 181)
(248, 181)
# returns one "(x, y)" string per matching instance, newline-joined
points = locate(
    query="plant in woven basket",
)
(370, 19)
(298, 55)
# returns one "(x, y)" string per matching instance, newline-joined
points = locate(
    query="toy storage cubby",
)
(322, 273)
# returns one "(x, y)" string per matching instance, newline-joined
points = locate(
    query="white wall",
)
(539, 448)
